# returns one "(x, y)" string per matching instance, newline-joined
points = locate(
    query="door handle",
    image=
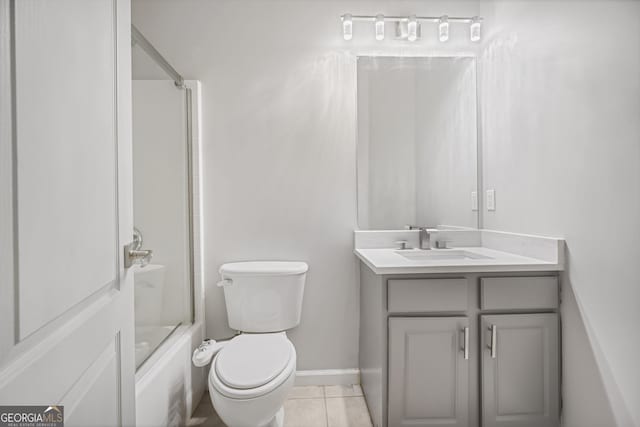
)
(493, 346)
(465, 349)
(136, 256)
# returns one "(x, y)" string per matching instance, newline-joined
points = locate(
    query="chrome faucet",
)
(424, 236)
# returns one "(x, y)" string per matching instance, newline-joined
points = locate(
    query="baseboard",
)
(328, 377)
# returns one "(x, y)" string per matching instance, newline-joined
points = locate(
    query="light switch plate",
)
(491, 200)
(474, 200)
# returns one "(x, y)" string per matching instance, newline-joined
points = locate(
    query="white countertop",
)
(390, 261)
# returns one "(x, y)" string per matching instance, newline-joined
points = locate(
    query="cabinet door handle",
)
(493, 346)
(466, 343)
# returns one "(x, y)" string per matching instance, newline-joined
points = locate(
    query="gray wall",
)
(279, 126)
(561, 98)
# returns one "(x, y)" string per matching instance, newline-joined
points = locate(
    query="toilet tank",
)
(263, 296)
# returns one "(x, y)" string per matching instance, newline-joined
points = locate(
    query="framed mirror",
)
(417, 157)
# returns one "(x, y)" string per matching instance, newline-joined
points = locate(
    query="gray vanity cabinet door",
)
(428, 372)
(520, 378)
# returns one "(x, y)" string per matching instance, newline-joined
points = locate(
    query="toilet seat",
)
(252, 365)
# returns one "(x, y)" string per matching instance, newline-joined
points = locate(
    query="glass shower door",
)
(162, 211)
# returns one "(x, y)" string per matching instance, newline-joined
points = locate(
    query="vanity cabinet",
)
(428, 372)
(471, 350)
(520, 377)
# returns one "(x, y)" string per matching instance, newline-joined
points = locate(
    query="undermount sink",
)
(439, 254)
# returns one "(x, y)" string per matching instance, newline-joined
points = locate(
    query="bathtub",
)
(168, 386)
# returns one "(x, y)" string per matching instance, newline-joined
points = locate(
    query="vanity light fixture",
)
(412, 28)
(379, 27)
(474, 29)
(443, 29)
(347, 26)
(408, 27)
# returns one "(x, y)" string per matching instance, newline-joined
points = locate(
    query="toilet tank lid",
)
(264, 268)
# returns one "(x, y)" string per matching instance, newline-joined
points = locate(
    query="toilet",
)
(252, 374)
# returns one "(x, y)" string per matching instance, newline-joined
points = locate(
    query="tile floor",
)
(308, 406)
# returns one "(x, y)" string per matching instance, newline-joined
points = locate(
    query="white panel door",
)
(66, 300)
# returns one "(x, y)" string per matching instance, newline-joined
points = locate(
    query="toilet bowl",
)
(250, 379)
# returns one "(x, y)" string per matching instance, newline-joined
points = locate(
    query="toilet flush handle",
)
(224, 283)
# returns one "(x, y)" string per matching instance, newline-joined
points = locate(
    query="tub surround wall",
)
(561, 100)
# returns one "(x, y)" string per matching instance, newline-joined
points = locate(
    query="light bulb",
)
(379, 27)
(474, 29)
(347, 26)
(412, 28)
(443, 28)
